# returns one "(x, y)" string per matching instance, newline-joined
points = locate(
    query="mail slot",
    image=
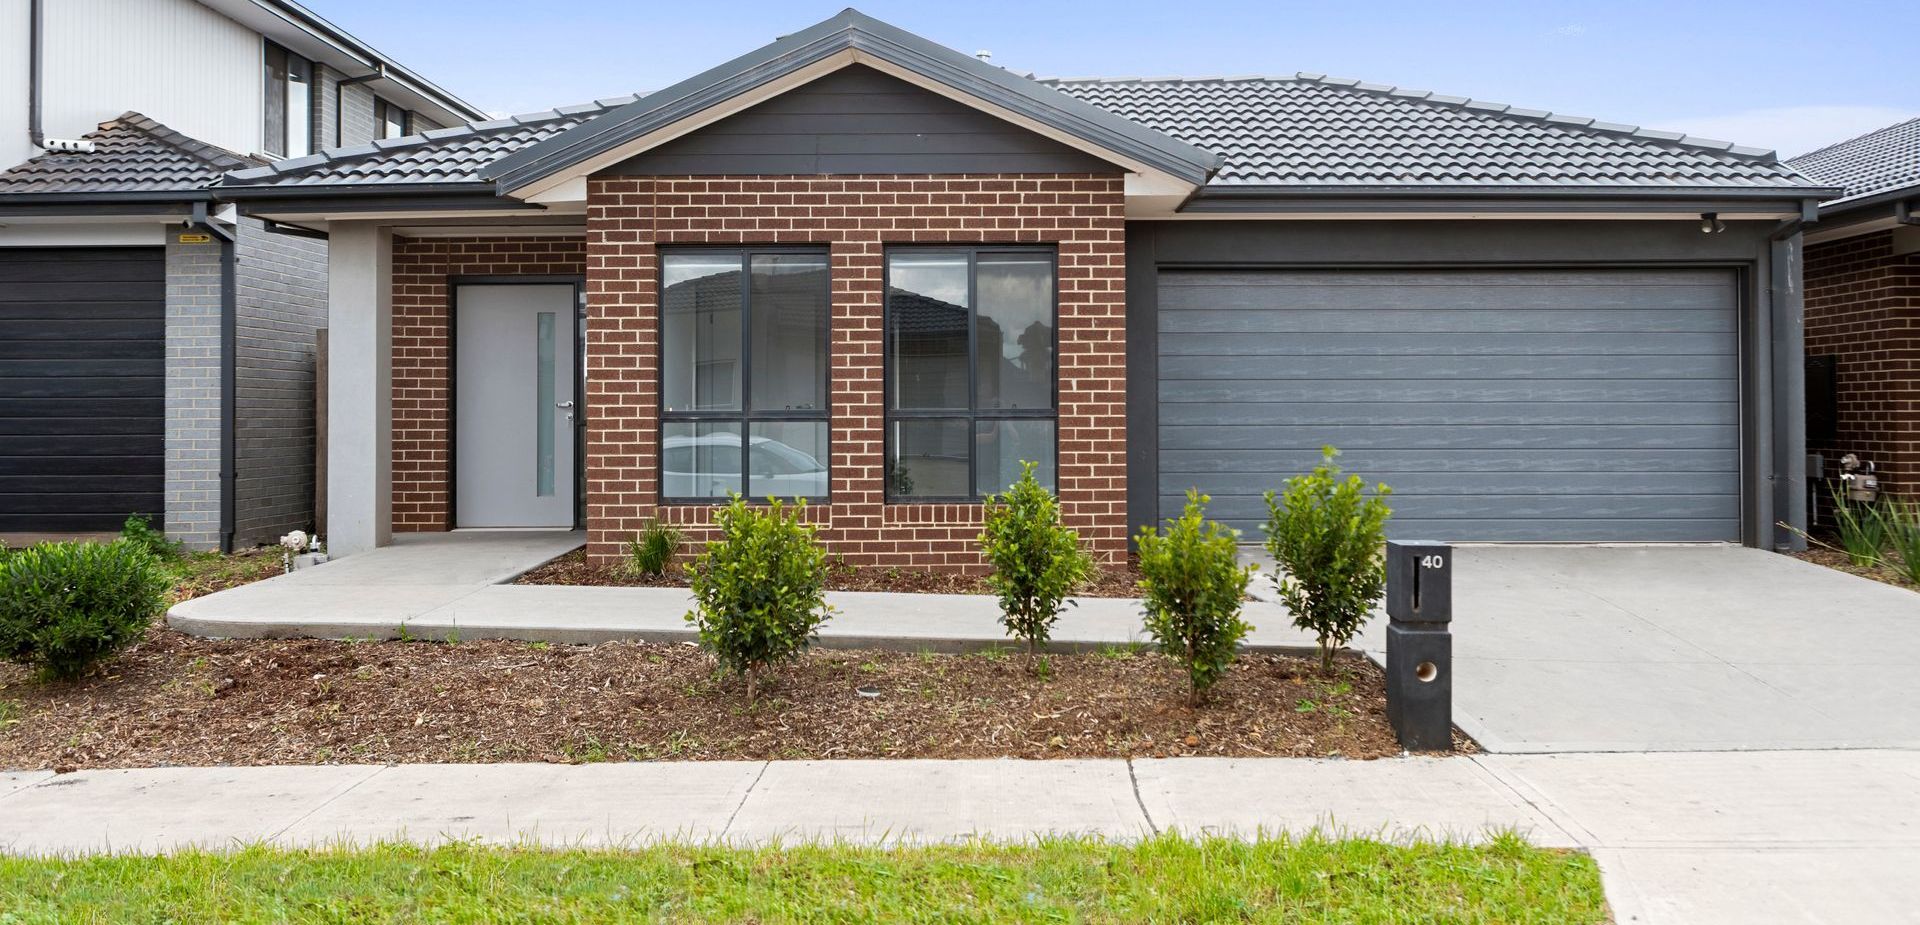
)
(1419, 644)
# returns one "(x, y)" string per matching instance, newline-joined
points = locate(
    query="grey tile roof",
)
(1301, 131)
(447, 155)
(1311, 130)
(131, 154)
(1881, 160)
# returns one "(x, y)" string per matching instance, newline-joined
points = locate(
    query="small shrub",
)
(653, 549)
(1194, 584)
(1036, 560)
(1329, 540)
(759, 590)
(139, 531)
(1901, 520)
(64, 606)
(1862, 529)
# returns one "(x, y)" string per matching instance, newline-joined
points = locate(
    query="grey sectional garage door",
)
(82, 386)
(1554, 405)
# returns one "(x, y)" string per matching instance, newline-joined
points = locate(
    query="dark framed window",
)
(743, 373)
(390, 121)
(971, 370)
(288, 127)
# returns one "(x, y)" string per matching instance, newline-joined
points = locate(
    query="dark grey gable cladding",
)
(859, 120)
(854, 30)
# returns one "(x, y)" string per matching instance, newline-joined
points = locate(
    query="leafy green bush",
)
(759, 589)
(1036, 560)
(1329, 540)
(653, 549)
(1901, 520)
(139, 531)
(1862, 529)
(1194, 585)
(64, 606)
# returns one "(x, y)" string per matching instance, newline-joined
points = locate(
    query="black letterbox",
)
(1419, 645)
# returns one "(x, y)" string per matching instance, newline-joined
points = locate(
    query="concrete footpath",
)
(1697, 837)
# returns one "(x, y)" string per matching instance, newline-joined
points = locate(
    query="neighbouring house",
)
(862, 268)
(156, 350)
(1863, 304)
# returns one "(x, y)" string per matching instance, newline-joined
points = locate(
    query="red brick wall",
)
(421, 267)
(1863, 306)
(857, 217)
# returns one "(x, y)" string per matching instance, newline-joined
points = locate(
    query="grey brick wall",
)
(325, 109)
(281, 300)
(343, 115)
(356, 125)
(193, 393)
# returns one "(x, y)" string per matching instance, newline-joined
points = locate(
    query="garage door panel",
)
(1539, 405)
(1419, 484)
(1427, 369)
(1313, 321)
(1246, 414)
(1442, 344)
(1485, 391)
(1382, 465)
(82, 386)
(1412, 514)
(1352, 437)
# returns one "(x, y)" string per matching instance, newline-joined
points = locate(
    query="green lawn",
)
(1165, 879)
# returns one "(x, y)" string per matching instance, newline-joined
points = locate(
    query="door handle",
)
(566, 406)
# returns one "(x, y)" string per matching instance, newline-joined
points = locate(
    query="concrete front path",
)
(1685, 838)
(443, 585)
(1567, 649)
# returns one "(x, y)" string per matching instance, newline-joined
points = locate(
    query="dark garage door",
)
(1547, 405)
(82, 386)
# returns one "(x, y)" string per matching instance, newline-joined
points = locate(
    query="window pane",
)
(927, 459)
(789, 312)
(1015, 330)
(787, 459)
(1004, 445)
(273, 134)
(543, 404)
(299, 106)
(927, 330)
(699, 459)
(700, 343)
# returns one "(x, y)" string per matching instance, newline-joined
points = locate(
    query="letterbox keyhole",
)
(1426, 672)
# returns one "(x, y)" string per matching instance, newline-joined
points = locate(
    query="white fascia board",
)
(1140, 179)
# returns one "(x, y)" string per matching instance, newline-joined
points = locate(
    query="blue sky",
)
(1790, 76)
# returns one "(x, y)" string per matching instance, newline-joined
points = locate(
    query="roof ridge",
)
(345, 153)
(205, 152)
(1860, 137)
(1484, 107)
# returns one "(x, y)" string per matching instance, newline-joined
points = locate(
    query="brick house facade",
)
(856, 218)
(1863, 309)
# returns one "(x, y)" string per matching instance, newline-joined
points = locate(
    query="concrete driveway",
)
(1677, 648)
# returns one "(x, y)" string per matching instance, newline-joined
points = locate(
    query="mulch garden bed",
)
(1835, 559)
(180, 700)
(574, 569)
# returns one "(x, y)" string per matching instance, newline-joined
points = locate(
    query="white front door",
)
(513, 405)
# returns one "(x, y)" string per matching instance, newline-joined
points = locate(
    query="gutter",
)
(36, 133)
(229, 373)
(1903, 213)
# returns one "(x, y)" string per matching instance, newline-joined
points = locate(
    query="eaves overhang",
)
(1320, 200)
(851, 37)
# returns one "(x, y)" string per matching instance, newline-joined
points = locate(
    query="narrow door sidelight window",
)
(743, 369)
(288, 127)
(971, 353)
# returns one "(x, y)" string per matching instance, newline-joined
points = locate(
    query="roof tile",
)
(1881, 160)
(131, 154)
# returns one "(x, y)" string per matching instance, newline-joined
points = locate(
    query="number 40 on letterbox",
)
(1419, 646)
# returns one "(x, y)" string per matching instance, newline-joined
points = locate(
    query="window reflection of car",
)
(709, 467)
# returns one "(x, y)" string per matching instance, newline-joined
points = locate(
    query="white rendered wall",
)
(359, 388)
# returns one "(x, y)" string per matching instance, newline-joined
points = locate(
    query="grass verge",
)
(1163, 879)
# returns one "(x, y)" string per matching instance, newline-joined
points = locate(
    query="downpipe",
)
(229, 373)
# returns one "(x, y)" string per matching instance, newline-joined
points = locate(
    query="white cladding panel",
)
(174, 60)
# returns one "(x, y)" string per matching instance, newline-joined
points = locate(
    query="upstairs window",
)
(390, 121)
(970, 381)
(743, 373)
(288, 129)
